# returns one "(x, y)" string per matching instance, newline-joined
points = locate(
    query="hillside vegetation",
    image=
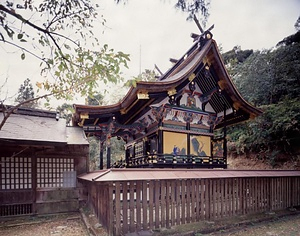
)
(270, 80)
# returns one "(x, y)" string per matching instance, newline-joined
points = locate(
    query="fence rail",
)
(173, 161)
(130, 206)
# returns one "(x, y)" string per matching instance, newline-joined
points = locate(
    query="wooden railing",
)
(132, 206)
(167, 160)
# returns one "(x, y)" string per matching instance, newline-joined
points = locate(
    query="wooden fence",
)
(131, 206)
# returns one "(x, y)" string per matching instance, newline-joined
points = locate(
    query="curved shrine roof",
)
(203, 64)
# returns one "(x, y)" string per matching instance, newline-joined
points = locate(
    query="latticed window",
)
(16, 172)
(139, 149)
(55, 172)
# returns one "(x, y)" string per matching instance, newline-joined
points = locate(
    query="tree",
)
(236, 54)
(269, 79)
(25, 93)
(65, 111)
(297, 24)
(94, 153)
(194, 7)
(255, 75)
(59, 34)
(147, 75)
(95, 99)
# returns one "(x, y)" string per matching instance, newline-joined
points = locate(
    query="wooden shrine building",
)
(171, 122)
(40, 159)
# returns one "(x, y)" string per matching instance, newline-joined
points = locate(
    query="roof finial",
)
(198, 24)
(196, 36)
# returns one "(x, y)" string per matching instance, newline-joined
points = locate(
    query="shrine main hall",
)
(172, 122)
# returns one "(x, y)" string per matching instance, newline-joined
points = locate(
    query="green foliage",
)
(194, 7)
(60, 35)
(295, 38)
(268, 79)
(235, 57)
(297, 24)
(277, 128)
(281, 122)
(95, 99)
(271, 76)
(254, 75)
(84, 72)
(236, 54)
(286, 68)
(26, 93)
(117, 152)
(94, 153)
(147, 75)
(65, 111)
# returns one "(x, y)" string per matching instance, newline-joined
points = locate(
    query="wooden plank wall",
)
(132, 206)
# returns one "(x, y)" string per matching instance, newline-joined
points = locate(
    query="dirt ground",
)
(281, 223)
(286, 226)
(63, 224)
(249, 162)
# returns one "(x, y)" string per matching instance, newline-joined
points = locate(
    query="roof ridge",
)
(102, 174)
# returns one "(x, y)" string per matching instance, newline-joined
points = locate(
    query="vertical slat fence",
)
(130, 206)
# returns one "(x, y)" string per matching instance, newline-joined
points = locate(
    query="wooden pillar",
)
(160, 138)
(188, 127)
(225, 144)
(34, 181)
(127, 156)
(225, 134)
(108, 156)
(101, 155)
(211, 156)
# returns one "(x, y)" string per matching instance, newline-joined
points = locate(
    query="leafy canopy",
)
(60, 34)
(26, 93)
(269, 79)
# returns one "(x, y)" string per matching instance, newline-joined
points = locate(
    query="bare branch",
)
(45, 31)
(8, 111)
(26, 50)
(56, 19)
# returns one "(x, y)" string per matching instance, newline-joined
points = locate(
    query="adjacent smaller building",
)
(40, 158)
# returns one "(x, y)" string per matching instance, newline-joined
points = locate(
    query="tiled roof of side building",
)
(40, 129)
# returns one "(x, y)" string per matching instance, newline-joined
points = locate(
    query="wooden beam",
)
(156, 67)
(173, 60)
(198, 24)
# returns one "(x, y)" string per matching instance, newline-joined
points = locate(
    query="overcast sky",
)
(152, 31)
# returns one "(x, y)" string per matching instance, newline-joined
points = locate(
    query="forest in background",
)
(270, 80)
